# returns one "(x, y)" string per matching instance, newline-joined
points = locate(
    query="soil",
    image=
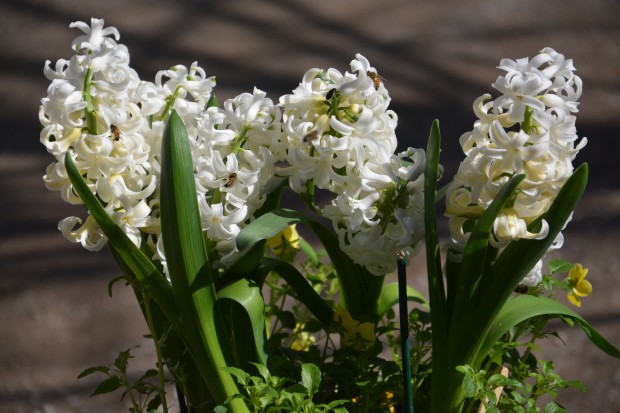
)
(56, 317)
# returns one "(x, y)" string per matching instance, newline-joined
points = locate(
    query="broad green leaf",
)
(180, 218)
(359, 288)
(520, 256)
(474, 255)
(268, 225)
(433, 258)
(188, 262)
(245, 261)
(441, 366)
(389, 298)
(523, 307)
(134, 261)
(243, 307)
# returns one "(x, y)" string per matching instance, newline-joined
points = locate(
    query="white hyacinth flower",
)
(341, 138)
(528, 130)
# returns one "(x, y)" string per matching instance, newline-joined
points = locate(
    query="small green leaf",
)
(154, 404)
(122, 360)
(553, 407)
(220, 409)
(149, 373)
(468, 386)
(114, 281)
(263, 371)
(310, 378)
(240, 375)
(91, 370)
(107, 386)
(559, 266)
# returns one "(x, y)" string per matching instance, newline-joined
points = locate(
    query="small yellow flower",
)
(285, 241)
(354, 334)
(302, 340)
(581, 287)
(388, 399)
(385, 402)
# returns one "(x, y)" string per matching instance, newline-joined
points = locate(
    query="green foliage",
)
(144, 393)
(268, 393)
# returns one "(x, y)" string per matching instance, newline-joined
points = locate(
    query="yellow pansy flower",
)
(581, 287)
(302, 339)
(354, 334)
(285, 241)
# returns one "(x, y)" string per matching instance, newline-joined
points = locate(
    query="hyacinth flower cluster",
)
(334, 132)
(341, 138)
(529, 129)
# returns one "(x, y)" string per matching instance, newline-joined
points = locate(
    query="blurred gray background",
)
(56, 318)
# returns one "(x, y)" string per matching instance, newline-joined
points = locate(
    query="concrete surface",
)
(437, 56)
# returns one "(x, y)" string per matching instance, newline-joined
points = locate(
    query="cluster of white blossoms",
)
(530, 130)
(334, 132)
(110, 147)
(112, 122)
(341, 138)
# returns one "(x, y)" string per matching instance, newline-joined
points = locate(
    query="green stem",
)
(169, 104)
(240, 140)
(91, 118)
(160, 361)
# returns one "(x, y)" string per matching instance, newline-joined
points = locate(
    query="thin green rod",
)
(404, 331)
